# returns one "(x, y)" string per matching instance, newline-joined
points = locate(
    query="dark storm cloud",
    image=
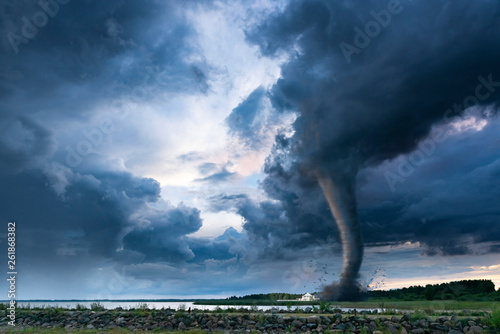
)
(90, 51)
(88, 55)
(224, 247)
(23, 142)
(243, 121)
(494, 249)
(162, 238)
(358, 112)
(105, 217)
(225, 202)
(89, 219)
(447, 204)
(97, 51)
(386, 99)
(275, 232)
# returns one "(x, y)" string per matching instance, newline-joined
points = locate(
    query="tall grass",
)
(493, 319)
(96, 306)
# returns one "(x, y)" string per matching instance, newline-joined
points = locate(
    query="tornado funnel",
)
(341, 198)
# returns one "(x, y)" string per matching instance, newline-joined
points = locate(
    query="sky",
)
(172, 149)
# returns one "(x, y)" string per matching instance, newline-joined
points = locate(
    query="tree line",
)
(268, 296)
(458, 290)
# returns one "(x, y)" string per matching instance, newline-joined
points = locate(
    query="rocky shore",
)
(171, 320)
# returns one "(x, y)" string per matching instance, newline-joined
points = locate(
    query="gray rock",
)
(340, 326)
(392, 329)
(90, 326)
(308, 309)
(454, 332)
(312, 320)
(475, 330)
(440, 327)
(417, 331)
(373, 326)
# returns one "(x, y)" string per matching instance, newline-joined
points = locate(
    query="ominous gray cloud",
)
(361, 109)
(356, 116)
(23, 142)
(244, 122)
(453, 193)
(163, 235)
(91, 213)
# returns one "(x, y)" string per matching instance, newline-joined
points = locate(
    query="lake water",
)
(158, 305)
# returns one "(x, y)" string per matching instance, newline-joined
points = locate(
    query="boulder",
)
(312, 320)
(475, 330)
(182, 326)
(392, 329)
(340, 326)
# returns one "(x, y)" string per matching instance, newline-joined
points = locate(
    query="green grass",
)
(259, 302)
(441, 305)
(95, 331)
(493, 319)
(444, 305)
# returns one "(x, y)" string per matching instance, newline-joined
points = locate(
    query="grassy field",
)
(95, 331)
(445, 305)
